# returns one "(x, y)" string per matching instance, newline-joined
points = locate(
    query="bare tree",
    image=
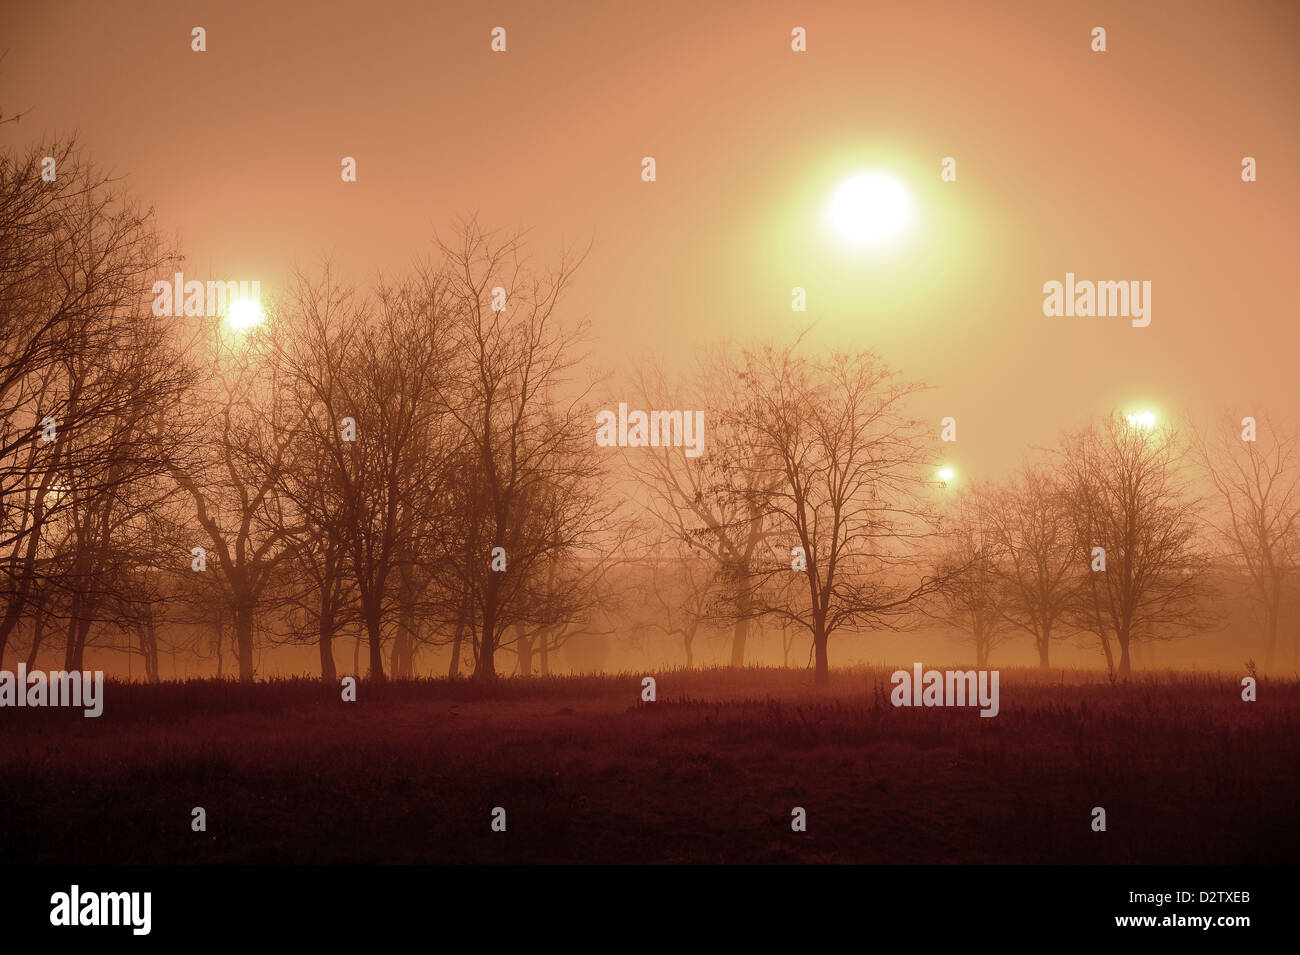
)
(1135, 516)
(231, 476)
(974, 595)
(89, 379)
(1030, 523)
(682, 587)
(367, 385)
(1255, 474)
(710, 503)
(524, 418)
(843, 475)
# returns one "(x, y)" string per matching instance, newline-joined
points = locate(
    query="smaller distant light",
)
(244, 313)
(946, 474)
(1143, 419)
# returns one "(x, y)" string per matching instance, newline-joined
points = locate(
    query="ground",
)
(1186, 771)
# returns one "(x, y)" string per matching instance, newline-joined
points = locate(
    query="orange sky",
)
(1116, 166)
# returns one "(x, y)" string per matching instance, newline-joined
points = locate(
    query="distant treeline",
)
(418, 462)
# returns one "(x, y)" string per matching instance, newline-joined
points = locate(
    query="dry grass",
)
(1186, 771)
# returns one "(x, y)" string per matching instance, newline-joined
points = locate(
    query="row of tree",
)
(415, 464)
(1101, 537)
(819, 506)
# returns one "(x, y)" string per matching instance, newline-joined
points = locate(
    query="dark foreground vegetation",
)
(1187, 772)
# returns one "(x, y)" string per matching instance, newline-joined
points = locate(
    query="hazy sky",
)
(1123, 165)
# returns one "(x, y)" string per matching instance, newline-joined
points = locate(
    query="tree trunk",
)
(149, 636)
(524, 650)
(1101, 628)
(981, 648)
(1125, 665)
(485, 662)
(485, 665)
(244, 641)
(79, 620)
(453, 671)
(404, 644)
(406, 654)
(70, 643)
(82, 632)
(38, 632)
(18, 597)
(221, 654)
(1043, 646)
(12, 613)
(9, 622)
(822, 674)
(738, 639)
(327, 672)
(374, 636)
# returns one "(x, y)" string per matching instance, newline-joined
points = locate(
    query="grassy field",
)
(1187, 772)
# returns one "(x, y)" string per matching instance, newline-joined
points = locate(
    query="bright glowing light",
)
(945, 475)
(869, 207)
(244, 313)
(1142, 419)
